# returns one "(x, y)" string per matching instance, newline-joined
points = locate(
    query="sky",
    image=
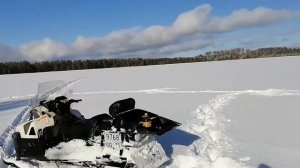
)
(36, 30)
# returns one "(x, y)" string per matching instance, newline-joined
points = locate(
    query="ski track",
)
(167, 90)
(5, 138)
(66, 84)
(266, 92)
(211, 150)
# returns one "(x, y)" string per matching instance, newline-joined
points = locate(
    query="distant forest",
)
(65, 65)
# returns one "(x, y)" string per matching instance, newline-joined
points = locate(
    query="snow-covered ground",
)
(234, 114)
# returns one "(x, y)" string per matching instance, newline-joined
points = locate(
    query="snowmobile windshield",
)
(50, 90)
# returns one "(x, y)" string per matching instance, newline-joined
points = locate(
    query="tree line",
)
(65, 65)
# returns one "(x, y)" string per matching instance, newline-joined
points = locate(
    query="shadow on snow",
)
(263, 166)
(176, 137)
(7, 105)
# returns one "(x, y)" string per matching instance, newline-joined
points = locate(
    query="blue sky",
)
(38, 30)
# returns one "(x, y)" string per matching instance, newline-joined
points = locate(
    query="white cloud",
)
(45, 49)
(246, 18)
(8, 54)
(194, 21)
(189, 31)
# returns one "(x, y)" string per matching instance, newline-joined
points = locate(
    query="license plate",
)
(112, 139)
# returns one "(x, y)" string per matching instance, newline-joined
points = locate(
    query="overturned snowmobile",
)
(123, 129)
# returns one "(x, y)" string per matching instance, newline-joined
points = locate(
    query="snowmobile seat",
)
(103, 121)
(102, 117)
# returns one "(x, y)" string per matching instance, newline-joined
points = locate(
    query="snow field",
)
(220, 105)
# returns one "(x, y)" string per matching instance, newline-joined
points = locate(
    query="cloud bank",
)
(194, 29)
(8, 54)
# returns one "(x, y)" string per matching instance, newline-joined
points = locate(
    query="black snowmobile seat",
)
(60, 98)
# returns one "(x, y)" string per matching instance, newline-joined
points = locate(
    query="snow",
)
(234, 114)
(75, 149)
(270, 124)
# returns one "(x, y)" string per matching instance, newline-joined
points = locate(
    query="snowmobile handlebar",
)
(74, 100)
(70, 101)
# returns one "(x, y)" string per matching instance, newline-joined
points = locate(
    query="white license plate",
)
(112, 139)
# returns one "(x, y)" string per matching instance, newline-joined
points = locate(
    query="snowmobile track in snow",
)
(167, 90)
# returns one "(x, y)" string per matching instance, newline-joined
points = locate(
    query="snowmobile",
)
(123, 129)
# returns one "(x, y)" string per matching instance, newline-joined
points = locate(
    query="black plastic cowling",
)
(121, 106)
